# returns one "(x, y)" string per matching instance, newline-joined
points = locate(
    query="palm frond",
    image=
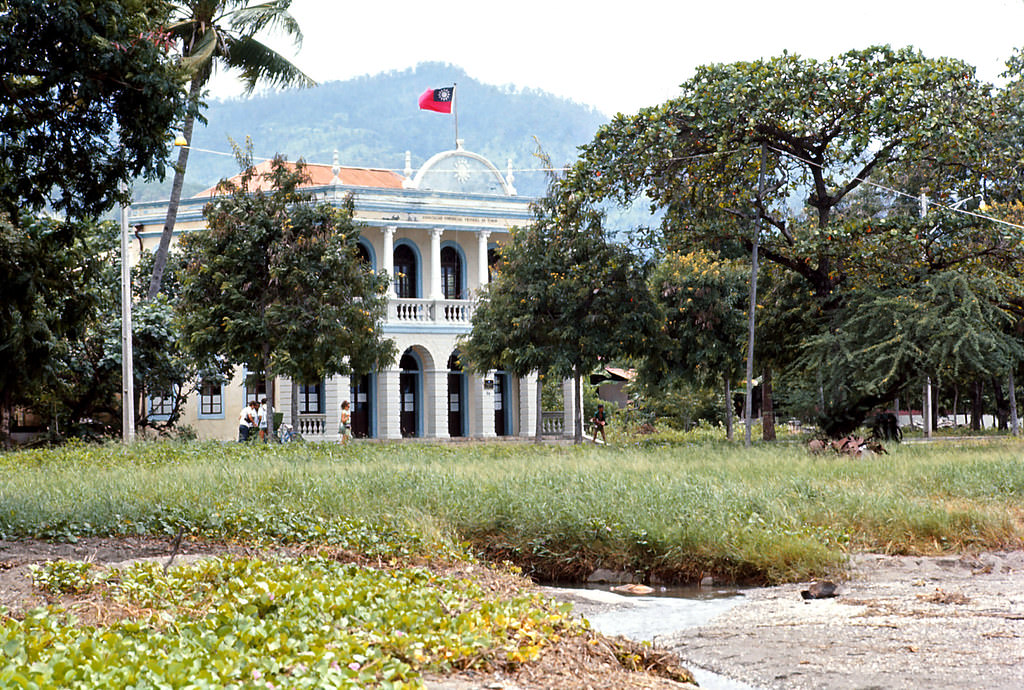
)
(258, 63)
(250, 20)
(203, 52)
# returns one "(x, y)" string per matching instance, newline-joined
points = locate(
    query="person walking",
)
(345, 423)
(599, 421)
(247, 421)
(261, 420)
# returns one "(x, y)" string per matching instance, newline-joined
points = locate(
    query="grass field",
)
(676, 511)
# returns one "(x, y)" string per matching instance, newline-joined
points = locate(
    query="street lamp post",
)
(127, 357)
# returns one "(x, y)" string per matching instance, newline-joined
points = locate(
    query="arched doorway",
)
(406, 279)
(451, 273)
(501, 410)
(364, 254)
(409, 391)
(456, 409)
(361, 394)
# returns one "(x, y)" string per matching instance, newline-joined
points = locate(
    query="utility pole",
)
(747, 402)
(927, 421)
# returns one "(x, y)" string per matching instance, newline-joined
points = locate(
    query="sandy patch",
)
(898, 622)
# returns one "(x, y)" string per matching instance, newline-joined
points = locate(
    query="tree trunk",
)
(1002, 406)
(767, 411)
(540, 408)
(976, 406)
(268, 385)
(160, 258)
(577, 392)
(6, 420)
(295, 406)
(1014, 419)
(728, 409)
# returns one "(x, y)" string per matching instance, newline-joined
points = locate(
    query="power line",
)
(696, 156)
(897, 192)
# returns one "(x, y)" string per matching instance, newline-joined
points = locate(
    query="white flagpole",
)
(455, 112)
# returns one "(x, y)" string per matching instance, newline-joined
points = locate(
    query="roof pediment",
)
(460, 171)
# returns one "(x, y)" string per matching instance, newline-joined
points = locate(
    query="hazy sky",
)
(624, 55)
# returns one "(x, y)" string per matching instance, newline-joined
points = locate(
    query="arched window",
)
(405, 271)
(364, 254)
(451, 273)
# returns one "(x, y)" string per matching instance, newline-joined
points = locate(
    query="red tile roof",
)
(321, 175)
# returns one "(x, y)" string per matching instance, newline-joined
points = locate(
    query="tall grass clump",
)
(671, 510)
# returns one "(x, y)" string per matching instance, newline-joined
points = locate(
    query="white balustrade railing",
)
(312, 425)
(448, 311)
(552, 423)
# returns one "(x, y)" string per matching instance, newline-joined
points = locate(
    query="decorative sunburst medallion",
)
(462, 171)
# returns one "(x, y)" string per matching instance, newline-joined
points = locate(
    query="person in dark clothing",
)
(599, 421)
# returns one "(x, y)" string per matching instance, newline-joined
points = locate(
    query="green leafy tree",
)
(565, 298)
(831, 127)
(276, 283)
(89, 95)
(68, 361)
(222, 33)
(704, 300)
(942, 302)
(49, 273)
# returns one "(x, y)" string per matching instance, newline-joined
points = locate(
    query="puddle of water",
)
(662, 612)
(712, 681)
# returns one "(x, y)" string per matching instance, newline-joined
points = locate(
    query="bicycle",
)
(286, 433)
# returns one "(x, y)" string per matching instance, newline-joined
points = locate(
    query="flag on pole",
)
(438, 100)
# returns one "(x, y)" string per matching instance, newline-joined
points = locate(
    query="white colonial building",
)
(435, 230)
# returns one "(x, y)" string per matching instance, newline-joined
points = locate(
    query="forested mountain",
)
(373, 120)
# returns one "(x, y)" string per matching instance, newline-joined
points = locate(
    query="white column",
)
(283, 404)
(481, 237)
(481, 411)
(487, 405)
(435, 264)
(388, 264)
(389, 411)
(436, 394)
(569, 408)
(528, 405)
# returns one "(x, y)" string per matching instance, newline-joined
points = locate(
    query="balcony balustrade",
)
(428, 311)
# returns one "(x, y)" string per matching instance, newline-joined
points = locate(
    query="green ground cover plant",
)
(305, 623)
(676, 511)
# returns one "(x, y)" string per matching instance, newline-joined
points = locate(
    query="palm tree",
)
(221, 34)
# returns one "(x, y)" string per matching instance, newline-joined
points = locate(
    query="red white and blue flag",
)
(438, 100)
